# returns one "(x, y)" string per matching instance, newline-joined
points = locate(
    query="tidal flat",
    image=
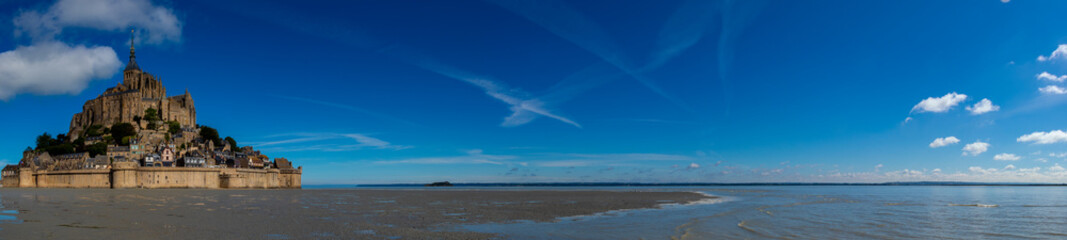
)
(298, 214)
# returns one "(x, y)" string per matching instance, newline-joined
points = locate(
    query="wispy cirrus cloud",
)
(684, 29)
(524, 106)
(326, 142)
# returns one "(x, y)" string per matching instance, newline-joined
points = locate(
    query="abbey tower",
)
(128, 100)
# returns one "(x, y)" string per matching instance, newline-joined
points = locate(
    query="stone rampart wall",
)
(94, 178)
(131, 176)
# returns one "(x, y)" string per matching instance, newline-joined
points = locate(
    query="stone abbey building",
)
(172, 156)
(138, 92)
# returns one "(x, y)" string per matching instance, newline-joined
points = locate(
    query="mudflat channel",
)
(297, 214)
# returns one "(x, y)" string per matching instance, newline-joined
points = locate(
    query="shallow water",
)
(825, 212)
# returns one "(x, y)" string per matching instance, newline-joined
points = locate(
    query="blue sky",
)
(550, 91)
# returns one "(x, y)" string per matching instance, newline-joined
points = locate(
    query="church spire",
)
(132, 65)
(132, 56)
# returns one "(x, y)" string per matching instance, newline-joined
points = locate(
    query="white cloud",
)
(973, 149)
(54, 68)
(365, 141)
(1049, 77)
(1056, 168)
(156, 24)
(1060, 51)
(941, 104)
(908, 119)
(1058, 155)
(1006, 157)
(1041, 160)
(1030, 170)
(693, 166)
(983, 106)
(945, 141)
(1009, 167)
(1052, 89)
(1044, 137)
(878, 167)
(978, 170)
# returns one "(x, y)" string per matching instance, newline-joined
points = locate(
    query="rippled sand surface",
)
(295, 214)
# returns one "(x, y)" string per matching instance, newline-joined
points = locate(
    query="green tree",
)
(96, 149)
(120, 131)
(45, 140)
(59, 149)
(173, 127)
(151, 115)
(233, 143)
(137, 119)
(210, 134)
(94, 131)
(79, 145)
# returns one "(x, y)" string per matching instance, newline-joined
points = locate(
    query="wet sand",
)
(295, 214)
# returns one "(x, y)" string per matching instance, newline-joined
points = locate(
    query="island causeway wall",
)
(129, 175)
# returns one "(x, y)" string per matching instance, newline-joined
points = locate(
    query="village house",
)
(152, 160)
(115, 152)
(167, 156)
(98, 162)
(193, 159)
(70, 161)
(10, 171)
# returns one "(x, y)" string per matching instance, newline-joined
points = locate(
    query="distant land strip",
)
(625, 184)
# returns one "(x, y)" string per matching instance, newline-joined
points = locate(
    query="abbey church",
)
(127, 101)
(134, 136)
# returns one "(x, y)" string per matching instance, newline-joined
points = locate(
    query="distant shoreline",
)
(622, 184)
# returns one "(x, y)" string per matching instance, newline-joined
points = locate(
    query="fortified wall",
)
(130, 175)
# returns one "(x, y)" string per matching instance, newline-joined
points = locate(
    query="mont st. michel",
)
(134, 136)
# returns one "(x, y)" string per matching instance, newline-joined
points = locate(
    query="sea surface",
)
(825, 212)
